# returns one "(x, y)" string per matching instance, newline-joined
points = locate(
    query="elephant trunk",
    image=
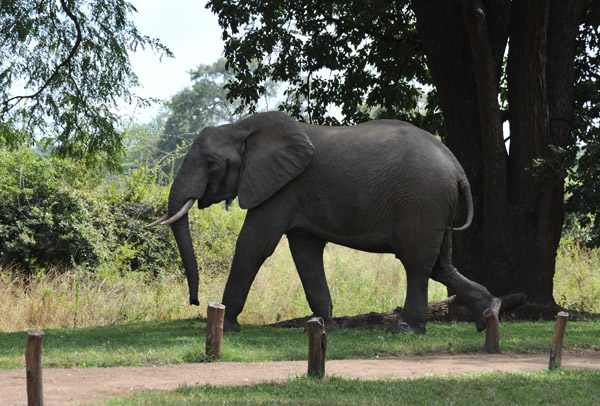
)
(181, 232)
(178, 206)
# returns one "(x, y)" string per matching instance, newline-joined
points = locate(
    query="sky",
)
(189, 30)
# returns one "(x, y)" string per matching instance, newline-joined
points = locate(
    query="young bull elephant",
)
(382, 186)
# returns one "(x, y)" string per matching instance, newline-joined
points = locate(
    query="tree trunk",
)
(518, 196)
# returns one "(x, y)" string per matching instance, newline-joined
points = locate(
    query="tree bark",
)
(518, 195)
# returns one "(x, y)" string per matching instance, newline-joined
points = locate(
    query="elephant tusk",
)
(182, 212)
(157, 222)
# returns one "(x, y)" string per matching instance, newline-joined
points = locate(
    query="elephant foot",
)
(331, 325)
(231, 325)
(494, 306)
(400, 326)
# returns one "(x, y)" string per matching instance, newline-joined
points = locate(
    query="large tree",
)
(488, 61)
(64, 69)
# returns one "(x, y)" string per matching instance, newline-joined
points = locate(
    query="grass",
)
(562, 387)
(360, 282)
(104, 319)
(183, 341)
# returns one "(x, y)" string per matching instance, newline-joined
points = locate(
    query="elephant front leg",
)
(251, 251)
(307, 252)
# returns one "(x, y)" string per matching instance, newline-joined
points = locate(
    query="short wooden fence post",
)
(33, 365)
(492, 328)
(317, 347)
(214, 330)
(557, 340)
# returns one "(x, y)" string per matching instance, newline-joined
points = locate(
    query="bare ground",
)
(75, 386)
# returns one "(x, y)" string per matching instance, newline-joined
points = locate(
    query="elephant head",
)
(251, 159)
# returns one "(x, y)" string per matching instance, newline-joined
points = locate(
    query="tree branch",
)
(64, 63)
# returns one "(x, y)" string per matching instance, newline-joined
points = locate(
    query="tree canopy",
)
(358, 56)
(64, 68)
(532, 64)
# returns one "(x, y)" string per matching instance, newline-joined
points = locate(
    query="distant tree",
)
(64, 67)
(375, 53)
(204, 103)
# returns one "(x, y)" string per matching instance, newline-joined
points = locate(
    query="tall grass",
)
(577, 277)
(359, 282)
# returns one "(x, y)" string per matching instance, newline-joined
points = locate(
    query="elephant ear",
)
(277, 150)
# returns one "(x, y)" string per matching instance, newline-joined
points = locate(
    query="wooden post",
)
(214, 330)
(317, 347)
(557, 340)
(492, 327)
(33, 365)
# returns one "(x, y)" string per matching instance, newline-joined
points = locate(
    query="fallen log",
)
(447, 309)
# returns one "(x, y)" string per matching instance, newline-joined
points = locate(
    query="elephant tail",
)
(465, 190)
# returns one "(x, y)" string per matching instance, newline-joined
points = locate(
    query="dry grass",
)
(359, 282)
(577, 278)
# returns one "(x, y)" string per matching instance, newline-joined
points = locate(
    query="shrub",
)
(43, 215)
(576, 280)
(57, 214)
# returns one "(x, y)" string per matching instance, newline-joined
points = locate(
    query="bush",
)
(57, 214)
(43, 216)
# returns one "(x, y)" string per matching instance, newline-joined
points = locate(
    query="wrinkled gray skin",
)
(382, 186)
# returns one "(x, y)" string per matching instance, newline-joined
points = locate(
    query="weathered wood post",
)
(33, 365)
(557, 340)
(492, 327)
(214, 330)
(317, 347)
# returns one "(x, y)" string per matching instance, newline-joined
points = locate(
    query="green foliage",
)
(577, 280)
(362, 56)
(65, 67)
(43, 216)
(55, 213)
(584, 185)
(58, 214)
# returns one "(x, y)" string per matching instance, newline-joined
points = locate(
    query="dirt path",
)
(75, 386)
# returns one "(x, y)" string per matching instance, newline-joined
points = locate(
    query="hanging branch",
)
(64, 63)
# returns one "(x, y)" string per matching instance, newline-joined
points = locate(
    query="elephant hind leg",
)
(474, 295)
(418, 260)
(307, 252)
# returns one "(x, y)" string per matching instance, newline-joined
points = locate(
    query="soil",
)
(76, 386)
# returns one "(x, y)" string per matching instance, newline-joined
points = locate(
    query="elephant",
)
(383, 186)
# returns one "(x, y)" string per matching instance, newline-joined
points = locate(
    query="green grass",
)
(562, 387)
(183, 341)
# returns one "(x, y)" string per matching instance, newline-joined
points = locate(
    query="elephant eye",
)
(209, 164)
